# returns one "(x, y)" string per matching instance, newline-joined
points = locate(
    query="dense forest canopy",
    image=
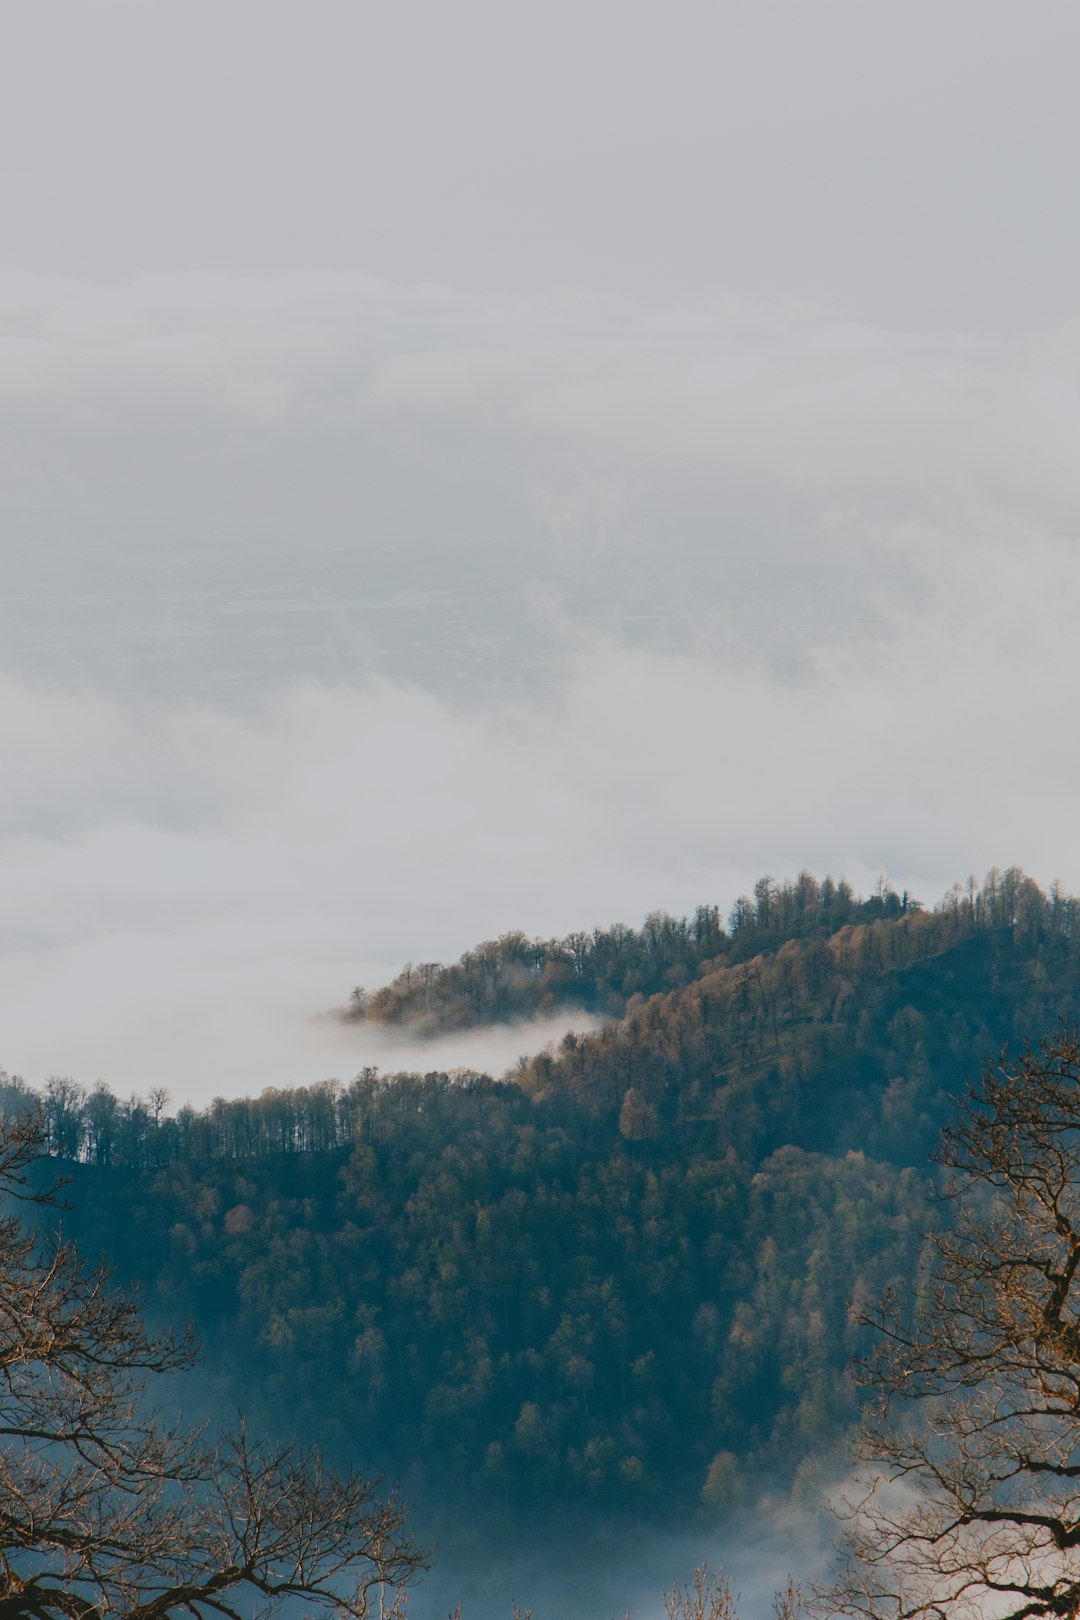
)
(605, 970)
(109, 1512)
(624, 1281)
(518, 977)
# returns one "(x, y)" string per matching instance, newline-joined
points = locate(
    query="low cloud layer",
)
(214, 484)
(184, 886)
(353, 616)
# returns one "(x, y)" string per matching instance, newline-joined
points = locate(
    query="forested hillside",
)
(624, 1281)
(517, 977)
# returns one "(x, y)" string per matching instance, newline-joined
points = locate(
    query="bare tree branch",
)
(106, 1513)
(968, 1499)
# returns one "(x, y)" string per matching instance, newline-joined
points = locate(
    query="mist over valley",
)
(538, 555)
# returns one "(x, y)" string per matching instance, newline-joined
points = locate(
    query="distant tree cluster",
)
(515, 977)
(95, 1127)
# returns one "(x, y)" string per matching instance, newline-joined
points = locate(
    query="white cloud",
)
(183, 886)
(902, 166)
(788, 592)
(120, 380)
(229, 477)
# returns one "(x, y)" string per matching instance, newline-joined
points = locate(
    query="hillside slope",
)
(623, 1282)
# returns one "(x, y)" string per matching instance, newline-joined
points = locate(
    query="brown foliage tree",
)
(975, 1511)
(107, 1512)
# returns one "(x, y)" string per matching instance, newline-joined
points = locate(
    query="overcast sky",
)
(499, 465)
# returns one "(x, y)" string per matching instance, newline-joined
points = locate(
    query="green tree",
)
(106, 1512)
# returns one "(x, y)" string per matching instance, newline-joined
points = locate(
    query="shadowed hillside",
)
(622, 1283)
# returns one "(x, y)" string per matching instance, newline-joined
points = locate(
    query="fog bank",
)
(185, 886)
